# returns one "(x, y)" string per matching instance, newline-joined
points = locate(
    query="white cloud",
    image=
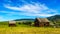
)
(33, 10)
(37, 15)
(29, 8)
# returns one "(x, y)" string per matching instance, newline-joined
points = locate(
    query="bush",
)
(27, 23)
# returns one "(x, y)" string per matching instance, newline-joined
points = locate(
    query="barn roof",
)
(42, 19)
(12, 22)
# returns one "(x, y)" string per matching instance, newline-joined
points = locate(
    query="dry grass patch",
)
(29, 30)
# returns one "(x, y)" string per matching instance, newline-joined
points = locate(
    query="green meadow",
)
(26, 29)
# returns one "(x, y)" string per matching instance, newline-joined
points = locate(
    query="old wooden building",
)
(12, 23)
(40, 22)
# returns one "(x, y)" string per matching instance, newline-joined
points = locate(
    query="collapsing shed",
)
(41, 22)
(12, 23)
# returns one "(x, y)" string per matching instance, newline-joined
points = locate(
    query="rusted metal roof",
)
(12, 22)
(42, 19)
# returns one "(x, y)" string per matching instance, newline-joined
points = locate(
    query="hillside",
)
(55, 19)
(24, 20)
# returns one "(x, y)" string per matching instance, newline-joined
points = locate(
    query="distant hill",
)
(55, 19)
(24, 20)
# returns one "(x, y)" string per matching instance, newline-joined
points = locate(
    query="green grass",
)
(26, 29)
(29, 30)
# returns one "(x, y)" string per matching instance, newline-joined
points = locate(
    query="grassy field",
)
(4, 29)
(26, 29)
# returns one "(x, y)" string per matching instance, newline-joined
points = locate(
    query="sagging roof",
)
(42, 19)
(12, 22)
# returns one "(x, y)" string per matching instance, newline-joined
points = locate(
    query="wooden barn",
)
(41, 22)
(12, 23)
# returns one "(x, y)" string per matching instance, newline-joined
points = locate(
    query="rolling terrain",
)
(25, 29)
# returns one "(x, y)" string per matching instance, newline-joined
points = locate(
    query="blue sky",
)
(19, 9)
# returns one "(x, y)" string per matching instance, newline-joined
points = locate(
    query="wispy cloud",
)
(36, 9)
